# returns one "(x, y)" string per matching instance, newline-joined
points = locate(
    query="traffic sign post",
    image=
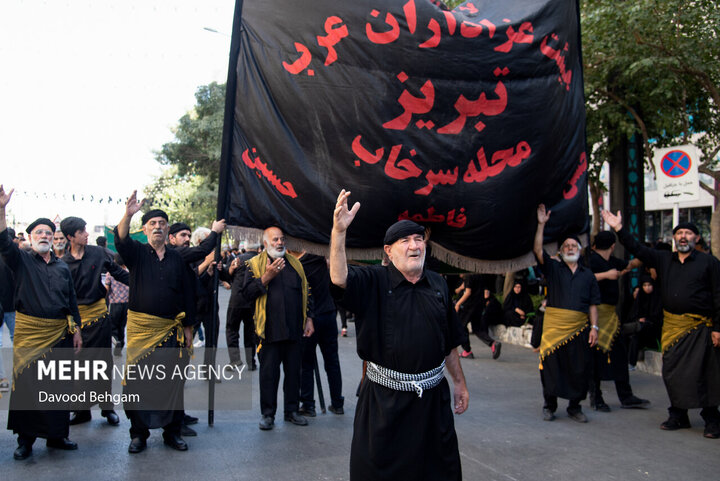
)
(677, 175)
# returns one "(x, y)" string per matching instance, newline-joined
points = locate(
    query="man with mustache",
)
(160, 315)
(47, 319)
(87, 263)
(572, 300)
(690, 290)
(59, 244)
(275, 281)
(407, 334)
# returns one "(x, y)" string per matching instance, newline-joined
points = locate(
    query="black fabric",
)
(691, 287)
(70, 225)
(152, 214)
(97, 341)
(400, 229)
(118, 321)
(445, 133)
(686, 225)
(235, 316)
(237, 300)
(325, 336)
(161, 288)
(604, 240)
(318, 276)
(7, 287)
(289, 354)
(616, 370)
(567, 290)
(609, 289)
(177, 227)
(409, 328)
(514, 301)
(87, 274)
(42, 289)
(41, 221)
(566, 371)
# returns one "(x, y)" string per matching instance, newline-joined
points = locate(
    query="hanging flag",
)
(462, 120)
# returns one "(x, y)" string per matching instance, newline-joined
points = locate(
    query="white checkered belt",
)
(405, 382)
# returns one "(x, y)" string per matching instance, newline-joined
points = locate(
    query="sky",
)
(89, 89)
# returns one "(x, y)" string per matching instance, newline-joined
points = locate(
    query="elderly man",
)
(407, 333)
(610, 360)
(160, 315)
(572, 300)
(47, 319)
(87, 263)
(690, 291)
(59, 243)
(276, 283)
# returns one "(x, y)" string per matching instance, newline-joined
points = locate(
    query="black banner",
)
(462, 120)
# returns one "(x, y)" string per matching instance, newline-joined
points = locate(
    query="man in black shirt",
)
(407, 333)
(690, 290)
(610, 354)
(87, 263)
(240, 310)
(277, 284)
(7, 309)
(47, 319)
(573, 296)
(160, 315)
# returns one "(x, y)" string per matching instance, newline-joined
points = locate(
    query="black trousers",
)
(118, 321)
(325, 336)
(138, 429)
(616, 369)
(271, 355)
(236, 316)
(479, 322)
(708, 413)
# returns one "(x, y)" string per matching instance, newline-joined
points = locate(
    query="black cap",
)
(604, 240)
(402, 229)
(688, 226)
(152, 214)
(41, 221)
(178, 226)
(570, 236)
(70, 225)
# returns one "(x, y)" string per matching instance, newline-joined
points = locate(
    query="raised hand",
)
(542, 215)
(132, 206)
(218, 226)
(614, 221)
(5, 196)
(343, 217)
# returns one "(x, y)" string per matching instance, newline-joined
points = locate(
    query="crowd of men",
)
(408, 328)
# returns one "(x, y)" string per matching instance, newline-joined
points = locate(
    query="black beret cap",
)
(686, 225)
(41, 221)
(402, 229)
(178, 226)
(152, 214)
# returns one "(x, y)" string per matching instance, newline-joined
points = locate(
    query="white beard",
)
(571, 258)
(41, 247)
(276, 253)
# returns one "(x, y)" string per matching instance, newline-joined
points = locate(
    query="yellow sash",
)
(258, 264)
(35, 337)
(91, 313)
(145, 332)
(560, 326)
(676, 326)
(608, 327)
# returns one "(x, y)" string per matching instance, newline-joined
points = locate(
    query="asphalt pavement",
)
(502, 436)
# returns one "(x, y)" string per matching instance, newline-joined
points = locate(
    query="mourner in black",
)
(610, 361)
(240, 310)
(87, 264)
(160, 315)
(407, 334)
(572, 299)
(689, 283)
(47, 318)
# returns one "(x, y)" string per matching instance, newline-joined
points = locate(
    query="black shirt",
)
(576, 291)
(161, 288)
(691, 287)
(42, 289)
(476, 301)
(7, 287)
(87, 273)
(237, 300)
(284, 318)
(318, 276)
(609, 289)
(407, 327)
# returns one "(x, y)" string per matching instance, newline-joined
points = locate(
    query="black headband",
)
(402, 229)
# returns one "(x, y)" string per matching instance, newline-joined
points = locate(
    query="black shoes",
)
(577, 416)
(673, 424)
(335, 410)
(62, 443)
(79, 417)
(188, 420)
(634, 402)
(187, 431)
(307, 411)
(111, 416)
(22, 452)
(137, 445)
(712, 430)
(496, 346)
(548, 415)
(267, 423)
(296, 419)
(600, 405)
(175, 442)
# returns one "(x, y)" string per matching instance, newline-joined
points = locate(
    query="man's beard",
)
(59, 246)
(571, 257)
(685, 247)
(276, 253)
(41, 247)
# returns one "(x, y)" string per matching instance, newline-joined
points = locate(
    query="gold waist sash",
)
(560, 326)
(608, 327)
(675, 326)
(91, 313)
(145, 332)
(35, 337)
